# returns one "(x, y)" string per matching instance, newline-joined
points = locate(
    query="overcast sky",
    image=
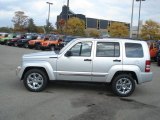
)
(117, 10)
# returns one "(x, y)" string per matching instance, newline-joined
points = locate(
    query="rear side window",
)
(134, 50)
(108, 49)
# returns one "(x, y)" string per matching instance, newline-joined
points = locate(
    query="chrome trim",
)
(81, 74)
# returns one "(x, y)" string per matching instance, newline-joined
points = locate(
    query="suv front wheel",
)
(123, 85)
(35, 80)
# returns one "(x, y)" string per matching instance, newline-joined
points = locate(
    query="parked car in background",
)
(153, 49)
(67, 39)
(36, 42)
(13, 42)
(3, 35)
(24, 42)
(10, 37)
(158, 58)
(53, 43)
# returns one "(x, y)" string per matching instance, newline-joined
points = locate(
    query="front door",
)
(78, 65)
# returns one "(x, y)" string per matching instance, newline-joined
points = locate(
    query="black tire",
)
(25, 45)
(15, 44)
(33, 84)
(123, 85)
(42, 49)
(52, 48)
(158, 62)
(37, 46)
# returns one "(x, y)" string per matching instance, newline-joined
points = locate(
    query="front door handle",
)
(116, 60)
(87, 60)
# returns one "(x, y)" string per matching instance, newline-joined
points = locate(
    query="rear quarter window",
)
(134, 50)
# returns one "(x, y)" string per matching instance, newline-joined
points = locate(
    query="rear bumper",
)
(146, 77)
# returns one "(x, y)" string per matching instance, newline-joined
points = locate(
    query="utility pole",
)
(49, 3)
(131, 25)
(139, 17)
(67, 8)
(67, 15)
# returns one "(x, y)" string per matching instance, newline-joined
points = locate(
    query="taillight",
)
(147, 66)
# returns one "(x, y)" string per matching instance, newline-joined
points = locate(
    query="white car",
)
(120, 62)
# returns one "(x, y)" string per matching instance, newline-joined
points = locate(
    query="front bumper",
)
(19, 72)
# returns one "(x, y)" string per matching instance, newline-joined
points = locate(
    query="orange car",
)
(153, 49)
(53, 43)
(36, 43)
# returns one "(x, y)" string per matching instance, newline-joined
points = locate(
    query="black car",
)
(67, 39)
(13, 42)
(24, 42)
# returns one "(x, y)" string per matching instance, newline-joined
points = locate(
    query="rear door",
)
(107, 57)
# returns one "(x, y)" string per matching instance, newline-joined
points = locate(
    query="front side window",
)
(82, 49)
(108, 49)
(134, 50)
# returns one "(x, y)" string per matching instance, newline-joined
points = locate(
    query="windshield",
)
(68, 39)
(18, 36)
(53, 38)
(63, 49)
(39, 37)
(29, 37)
(10, 35)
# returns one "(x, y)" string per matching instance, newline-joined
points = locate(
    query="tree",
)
(6, 29)
(31, 26)
(118, 30)
(150, 30)
(20, 21)
(75, 26)
(40, 29)
(49, 27)
(94, 33)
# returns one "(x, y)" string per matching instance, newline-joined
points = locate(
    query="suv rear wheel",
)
(123, 85)
(35, 80)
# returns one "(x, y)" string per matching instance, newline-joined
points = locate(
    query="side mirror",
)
(68, 53)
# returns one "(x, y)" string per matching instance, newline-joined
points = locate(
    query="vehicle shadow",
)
(101, 88)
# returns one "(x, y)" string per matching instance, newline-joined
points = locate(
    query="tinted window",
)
(134, 50)
(82, 49)
(108, 49)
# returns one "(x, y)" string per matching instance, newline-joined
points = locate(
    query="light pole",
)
(67, 16)
(49, 3)
(131, 19)
(139, 17)
(67, 8)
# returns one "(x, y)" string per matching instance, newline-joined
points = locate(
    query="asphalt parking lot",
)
(71, 101)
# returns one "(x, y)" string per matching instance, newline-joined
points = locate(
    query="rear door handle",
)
(87, 60)
(116, 60)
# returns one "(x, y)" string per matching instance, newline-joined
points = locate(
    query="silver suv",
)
(120, 62)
